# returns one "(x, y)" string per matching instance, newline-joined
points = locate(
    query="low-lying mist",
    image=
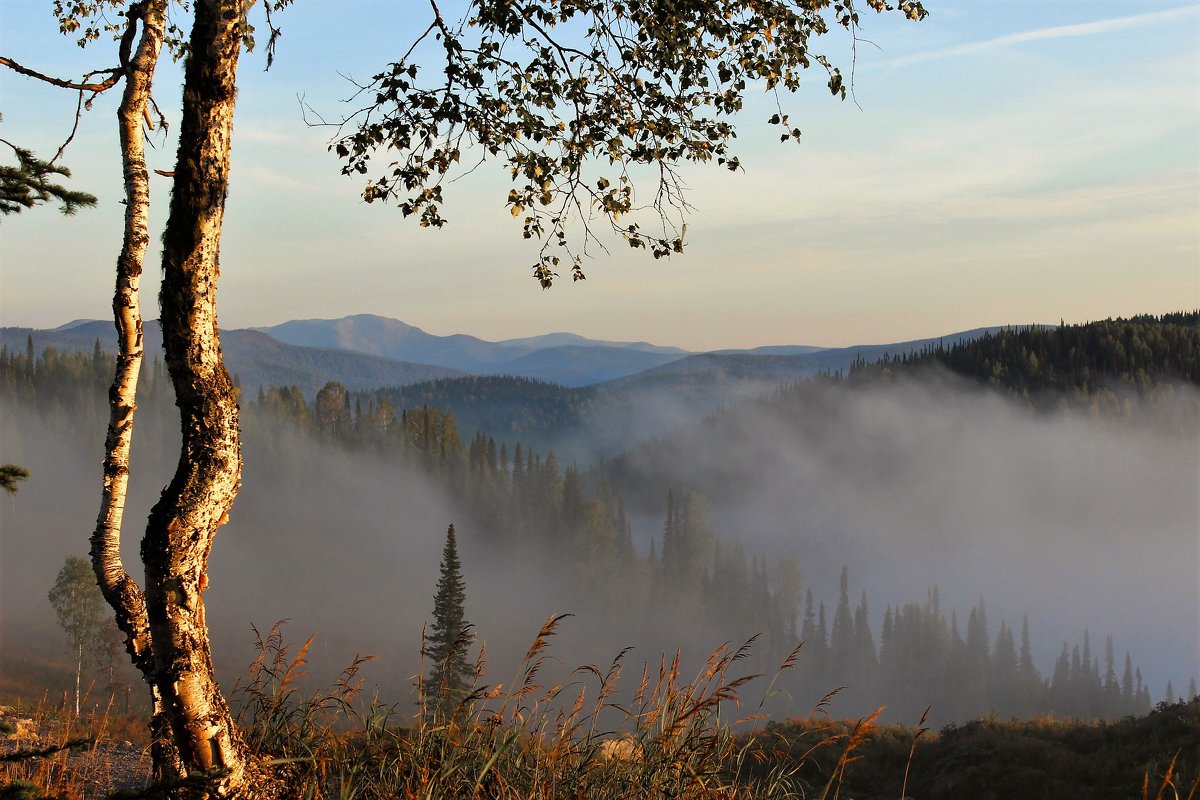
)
(1081, 520)
(345, 545)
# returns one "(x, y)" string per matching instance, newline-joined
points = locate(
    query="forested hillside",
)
(1077, 363)
(1053, 460)
(687, 577)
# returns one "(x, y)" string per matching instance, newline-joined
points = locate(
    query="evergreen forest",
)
(681, 580)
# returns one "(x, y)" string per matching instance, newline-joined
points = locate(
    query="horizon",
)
(999, 163)
(66, 326)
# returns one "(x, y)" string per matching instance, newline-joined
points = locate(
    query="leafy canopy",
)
(77, 600)
(549, 87)
(89, 20)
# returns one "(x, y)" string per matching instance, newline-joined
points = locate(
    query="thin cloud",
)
(1046, 34)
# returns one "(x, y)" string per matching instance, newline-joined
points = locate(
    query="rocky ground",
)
(93, 770)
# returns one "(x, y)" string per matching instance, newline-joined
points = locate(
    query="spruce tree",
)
(450, 636)
(1127, 696)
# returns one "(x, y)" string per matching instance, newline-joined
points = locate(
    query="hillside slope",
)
(253, 358)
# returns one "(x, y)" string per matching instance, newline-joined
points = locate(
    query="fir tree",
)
(32, 181)
(1127, 695)
(450, 674)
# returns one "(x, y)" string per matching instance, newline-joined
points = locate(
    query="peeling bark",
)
(119, 588)
(183, 523)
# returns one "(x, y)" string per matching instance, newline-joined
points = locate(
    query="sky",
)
(1002, 162)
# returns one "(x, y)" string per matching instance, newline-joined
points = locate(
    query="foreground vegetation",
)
(1157, 756)
(526, 739)
(593, 737)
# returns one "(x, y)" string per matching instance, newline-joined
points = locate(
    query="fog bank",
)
(1080, 521)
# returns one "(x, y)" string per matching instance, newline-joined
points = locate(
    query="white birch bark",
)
(183, 523)
(119, 588)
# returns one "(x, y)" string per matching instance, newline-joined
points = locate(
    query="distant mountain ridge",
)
(541, 389)
(254, 358)
(366, 351)
(566, 358)
(784, 363)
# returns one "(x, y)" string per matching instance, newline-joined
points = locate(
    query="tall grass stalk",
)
(531, 739)
(64, 755)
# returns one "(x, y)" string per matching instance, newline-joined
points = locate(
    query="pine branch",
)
(31, 182)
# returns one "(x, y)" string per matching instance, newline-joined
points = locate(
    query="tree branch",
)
(114, 76)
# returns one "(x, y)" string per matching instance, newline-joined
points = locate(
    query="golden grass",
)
(69, 756)
(671, 737)
(586, 736)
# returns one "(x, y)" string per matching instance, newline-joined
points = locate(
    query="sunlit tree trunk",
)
(184, 521)
(119, 588)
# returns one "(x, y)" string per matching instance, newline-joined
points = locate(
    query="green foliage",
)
(22, 790)
(70, 389)
(32, 181)
(450, 674)
(77, 601)
(551, 88)
(80, 607)
(521, 408)
(686, 583)
(1079, 365)
(89, 20)
(10, 476)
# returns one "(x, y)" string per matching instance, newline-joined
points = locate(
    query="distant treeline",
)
(689, 585)
(921, 653)
(1070, 365)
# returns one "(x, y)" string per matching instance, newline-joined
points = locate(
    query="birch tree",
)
(80, 610)
(167, 639)
(572, 97)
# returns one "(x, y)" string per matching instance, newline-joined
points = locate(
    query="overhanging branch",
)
(114, 76)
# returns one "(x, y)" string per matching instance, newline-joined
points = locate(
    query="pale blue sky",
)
(1008, 162)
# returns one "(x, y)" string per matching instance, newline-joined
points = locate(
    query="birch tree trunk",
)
(184, 521)
(78, 672)
(119, 588)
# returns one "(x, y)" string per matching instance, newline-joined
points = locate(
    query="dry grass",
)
(671, 737)
(662, 735)
(56, 753)
(530, 739)
(1171, 786)
(1154, 757)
